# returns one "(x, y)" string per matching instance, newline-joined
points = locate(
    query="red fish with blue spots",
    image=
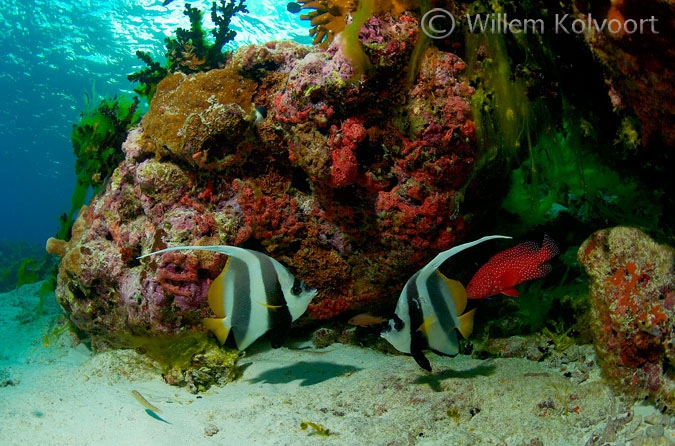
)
(512, 267)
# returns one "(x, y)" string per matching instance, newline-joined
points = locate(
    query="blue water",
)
(55, 52)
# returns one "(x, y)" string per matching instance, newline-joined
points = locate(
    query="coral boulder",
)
(353, 184)
(632, 286)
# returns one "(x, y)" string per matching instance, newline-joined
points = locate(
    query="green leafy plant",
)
(22, 263)
(97, 142)
(29, 272)
(190, 51)
(565, 176)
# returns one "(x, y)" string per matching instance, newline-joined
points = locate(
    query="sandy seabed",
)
(58, 393)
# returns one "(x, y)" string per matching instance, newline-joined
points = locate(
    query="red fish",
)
(512, 267)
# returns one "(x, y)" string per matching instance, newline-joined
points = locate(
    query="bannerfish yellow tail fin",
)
(217, 291)
(466, 324)
(217, 326)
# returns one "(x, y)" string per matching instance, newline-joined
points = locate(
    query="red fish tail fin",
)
(549, 249)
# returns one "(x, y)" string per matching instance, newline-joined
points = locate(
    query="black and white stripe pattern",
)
(428, 310)
(255, 293)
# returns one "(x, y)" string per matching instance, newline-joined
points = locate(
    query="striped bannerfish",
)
(429, 311)
(253, 295)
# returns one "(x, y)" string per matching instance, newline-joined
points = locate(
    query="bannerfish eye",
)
(297, 287)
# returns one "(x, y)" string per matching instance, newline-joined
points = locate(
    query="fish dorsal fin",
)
(457, 292)
(528, 248)
(437, 261)
(234, 251)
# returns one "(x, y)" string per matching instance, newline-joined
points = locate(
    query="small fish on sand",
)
(253, 295)
(505, 270)
(429, 311)
(145, 403)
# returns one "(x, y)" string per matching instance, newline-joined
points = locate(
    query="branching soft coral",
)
(327, 17)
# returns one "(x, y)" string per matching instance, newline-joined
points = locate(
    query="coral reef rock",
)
(637, 53)
(353, 184)
(632, 292)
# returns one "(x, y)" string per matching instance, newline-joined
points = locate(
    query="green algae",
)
(178, 350)
(420, 48)
(546, 127)
(97, 143)
(499, 104)
(317, 429)
(350, 40)
(560, 336)
(564, 177)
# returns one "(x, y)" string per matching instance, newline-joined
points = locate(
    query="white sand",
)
(62, 394)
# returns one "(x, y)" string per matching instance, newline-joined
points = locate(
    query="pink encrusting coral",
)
(342, 143)
(351, 184)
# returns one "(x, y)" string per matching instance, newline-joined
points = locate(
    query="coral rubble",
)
(632, 285)
(351, 183)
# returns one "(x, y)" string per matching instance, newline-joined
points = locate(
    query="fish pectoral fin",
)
(512, 292)
(543, 270)
(268, 306)
(466, 324)
(217, 326)
(426, 326)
